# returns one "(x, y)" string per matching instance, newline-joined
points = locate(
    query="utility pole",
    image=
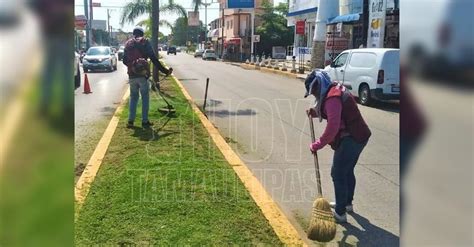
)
(222, 31)
(91, 14)
(88, 26)
(252, 24)
(205, 18)
(155, 17)
(108, 27)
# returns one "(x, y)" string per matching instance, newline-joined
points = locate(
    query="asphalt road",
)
(263, 117)
(94, 111)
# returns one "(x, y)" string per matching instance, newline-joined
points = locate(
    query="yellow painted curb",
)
(88, 175)
(285, 231)
(15, 111)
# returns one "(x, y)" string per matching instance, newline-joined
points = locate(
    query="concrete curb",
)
(83, 185)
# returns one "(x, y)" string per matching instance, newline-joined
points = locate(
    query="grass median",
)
(169, 185)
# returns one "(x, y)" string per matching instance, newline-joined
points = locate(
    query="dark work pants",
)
(342, 171)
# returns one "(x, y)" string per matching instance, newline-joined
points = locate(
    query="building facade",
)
(332, 26)
(230, 34)
(302, 11)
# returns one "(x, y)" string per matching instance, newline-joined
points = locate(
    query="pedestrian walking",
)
(346, 132)
(137, 50)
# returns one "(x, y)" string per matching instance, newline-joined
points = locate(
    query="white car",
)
(99, 58)
(372, 73)
(209, 55)
(77, 72)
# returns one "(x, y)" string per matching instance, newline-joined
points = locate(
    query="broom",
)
(322, 226)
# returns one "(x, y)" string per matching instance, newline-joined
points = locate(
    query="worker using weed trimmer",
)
(346, 132)
(137, 50)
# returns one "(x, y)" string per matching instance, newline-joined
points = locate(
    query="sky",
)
(115, 7)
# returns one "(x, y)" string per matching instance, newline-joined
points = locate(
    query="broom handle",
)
(315, 156)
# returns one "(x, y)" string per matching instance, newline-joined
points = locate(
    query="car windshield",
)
(98, 51)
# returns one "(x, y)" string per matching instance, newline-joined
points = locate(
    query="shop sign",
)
(300, 27)
(375, 35)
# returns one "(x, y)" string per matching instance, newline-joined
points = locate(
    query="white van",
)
(369, 73)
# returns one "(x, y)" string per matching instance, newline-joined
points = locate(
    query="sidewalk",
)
(169, 185)
(277, 68)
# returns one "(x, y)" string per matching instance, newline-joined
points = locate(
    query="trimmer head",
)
(167, 110)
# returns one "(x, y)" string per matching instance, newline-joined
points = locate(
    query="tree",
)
(147, 25)
(101, 37)
(182, 33)
(274, 30)
(135, 9)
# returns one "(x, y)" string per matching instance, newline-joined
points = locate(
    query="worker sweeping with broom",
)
(347, 134)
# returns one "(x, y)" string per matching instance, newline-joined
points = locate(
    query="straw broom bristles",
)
(322, 226)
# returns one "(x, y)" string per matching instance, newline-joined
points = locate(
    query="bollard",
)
(283, 67)
(276, 66)
(293, 65)
(205, 97)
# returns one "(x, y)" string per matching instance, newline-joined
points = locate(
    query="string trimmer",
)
(155, 87)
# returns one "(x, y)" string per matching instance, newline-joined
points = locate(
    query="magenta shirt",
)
(333, 111)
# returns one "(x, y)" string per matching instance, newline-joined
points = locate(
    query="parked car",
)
(171, 50)
(178, 49)
(209, 55)
(198, 53)
(77, 72)
(120, 53)
(100, 57)
(372, 73)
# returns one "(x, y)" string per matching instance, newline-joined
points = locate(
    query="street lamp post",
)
(206, 4)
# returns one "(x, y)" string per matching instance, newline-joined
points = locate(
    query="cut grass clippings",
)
(169, 185)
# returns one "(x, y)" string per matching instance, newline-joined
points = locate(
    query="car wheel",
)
(364, 95)
(77, 79)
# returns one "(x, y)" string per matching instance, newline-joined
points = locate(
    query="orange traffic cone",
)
(87, 87)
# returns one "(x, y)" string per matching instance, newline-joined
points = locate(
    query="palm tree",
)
(196, 4)
(147, 25)
(135, 9)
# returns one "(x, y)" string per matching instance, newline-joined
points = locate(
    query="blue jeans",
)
(139, 86)
(342, 171)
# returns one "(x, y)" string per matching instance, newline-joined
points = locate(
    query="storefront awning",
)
(301, 12)
(213, 33)
(232, 41)
(344, 18)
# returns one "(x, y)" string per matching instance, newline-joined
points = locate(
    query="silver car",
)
(209, 55)
(99, 58)
(198, 53)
